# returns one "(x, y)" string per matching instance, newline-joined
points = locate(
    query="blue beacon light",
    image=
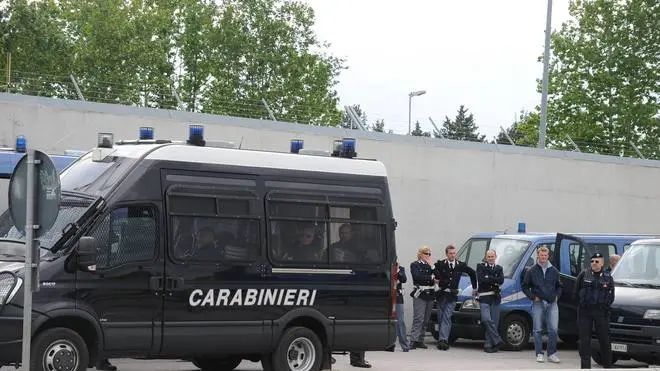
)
(21, 144)
(297, 145)
(146, 132)
(348, 148)
(196, 135)
(522, 227)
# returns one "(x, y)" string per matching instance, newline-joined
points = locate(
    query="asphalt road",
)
(463, 356)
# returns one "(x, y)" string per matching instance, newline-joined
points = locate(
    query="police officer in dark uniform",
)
(448, 274)
(595, 290)
(423, 294)
(490, 276)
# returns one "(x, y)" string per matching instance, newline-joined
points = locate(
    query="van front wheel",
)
(515, 332)
(59, 349)
(299, 349)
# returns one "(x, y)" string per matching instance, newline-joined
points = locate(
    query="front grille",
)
(625, 338)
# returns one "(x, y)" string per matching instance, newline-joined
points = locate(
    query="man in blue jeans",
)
(543, 287)
(448, 274)
(490, 277)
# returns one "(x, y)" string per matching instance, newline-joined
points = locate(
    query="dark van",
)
(635, 316)
(204, 252)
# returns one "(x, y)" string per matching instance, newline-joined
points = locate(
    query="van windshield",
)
(95, 177)
(12, 242)
(639, 266)
(509, 253)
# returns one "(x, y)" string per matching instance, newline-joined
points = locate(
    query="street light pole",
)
(410, 96)
(544, 92)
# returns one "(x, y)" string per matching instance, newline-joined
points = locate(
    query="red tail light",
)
(395, 271)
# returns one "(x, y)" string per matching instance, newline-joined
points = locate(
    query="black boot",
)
(105, 366)
(419, 344)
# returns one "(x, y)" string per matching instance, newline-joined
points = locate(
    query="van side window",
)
(533, 257)
(318, 233)
(213, 229)
(126, 235)
(473, 252)
(355, 239)
(580, 257)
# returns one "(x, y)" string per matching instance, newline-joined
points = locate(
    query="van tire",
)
(58, 346)
(298, 339)
(595, 355)
(217, 364)
(515, 331)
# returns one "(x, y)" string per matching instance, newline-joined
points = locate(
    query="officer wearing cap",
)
(595, 291)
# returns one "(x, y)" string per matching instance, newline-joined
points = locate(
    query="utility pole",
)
(546, 62)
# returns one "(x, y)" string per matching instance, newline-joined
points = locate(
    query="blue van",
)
(516, 253)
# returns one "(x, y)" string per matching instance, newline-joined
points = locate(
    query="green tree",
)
(463, 127)
(605, 77)
(33, 33)
(418, 132)
(379, 126)
(264, 50)
(222, 57)
(523, 131)
(122, 50)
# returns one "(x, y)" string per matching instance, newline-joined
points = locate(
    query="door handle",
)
(156, 283)
(174, 283)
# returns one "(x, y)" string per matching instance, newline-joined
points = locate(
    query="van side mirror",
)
(87, 251)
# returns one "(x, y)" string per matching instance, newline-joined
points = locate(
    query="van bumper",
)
(361, 335)
(11, 335)
(641, 343)
(466, 324)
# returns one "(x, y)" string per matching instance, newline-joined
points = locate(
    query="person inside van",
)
(342, 250)
(309, 247)
(614, 258)
(205, 244)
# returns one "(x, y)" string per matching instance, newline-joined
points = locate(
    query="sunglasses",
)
(427, 253)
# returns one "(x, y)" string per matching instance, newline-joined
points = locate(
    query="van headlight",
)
(9, 286)
(470, 304)
(652, 314)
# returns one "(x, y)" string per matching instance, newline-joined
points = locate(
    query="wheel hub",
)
(61, 356)
(514, 333)
(301, 355)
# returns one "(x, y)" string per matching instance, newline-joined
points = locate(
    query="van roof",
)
(647, 241)
(533, 237)
(250, 158)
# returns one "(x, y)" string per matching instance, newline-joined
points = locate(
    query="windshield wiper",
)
(78, 194)
(72, 228)
(649, 285)
(638, 284)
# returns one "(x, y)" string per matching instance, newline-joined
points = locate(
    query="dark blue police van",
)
(204, 252)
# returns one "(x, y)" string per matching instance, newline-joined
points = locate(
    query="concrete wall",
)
(443, 191)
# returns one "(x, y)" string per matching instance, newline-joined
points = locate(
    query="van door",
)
(212, 266)
(567, 257)
(120, 291)
(472, 253)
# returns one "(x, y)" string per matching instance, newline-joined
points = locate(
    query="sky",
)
(479, 53)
